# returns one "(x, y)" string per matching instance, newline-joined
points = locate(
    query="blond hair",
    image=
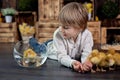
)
(74, 14)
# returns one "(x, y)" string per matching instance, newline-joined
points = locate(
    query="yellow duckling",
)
(29, 53)
(26, 29)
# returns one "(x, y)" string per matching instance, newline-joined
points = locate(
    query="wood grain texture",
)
(45, 30)
(95, 28)
(8, 32)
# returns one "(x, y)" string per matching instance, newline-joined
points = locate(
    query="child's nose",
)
(63, 30)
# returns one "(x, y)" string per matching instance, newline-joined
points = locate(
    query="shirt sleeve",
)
(59, 43)
(87, 47)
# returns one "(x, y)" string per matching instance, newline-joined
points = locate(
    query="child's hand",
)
(87, 65)
(77, 66)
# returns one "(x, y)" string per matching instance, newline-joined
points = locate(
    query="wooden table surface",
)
(51, 70)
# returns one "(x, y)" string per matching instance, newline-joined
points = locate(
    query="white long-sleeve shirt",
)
(66, 49)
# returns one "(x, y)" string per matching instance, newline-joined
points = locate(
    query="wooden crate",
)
(104, 36)
(29, 17)
(45, 30)
(8, 32)
(94, 27)
(49, 9)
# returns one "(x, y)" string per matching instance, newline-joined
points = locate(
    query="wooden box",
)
(8, 32)
(94, 27)
(106, 36)
(45, 30)
(27, 17)
(49, 9)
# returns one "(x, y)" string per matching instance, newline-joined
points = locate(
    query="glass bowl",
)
(25, 55)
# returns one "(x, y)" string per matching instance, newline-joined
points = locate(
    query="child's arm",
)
(62, 56)
(87, 48)
(77, 66)
(87, 65)
(87, 45)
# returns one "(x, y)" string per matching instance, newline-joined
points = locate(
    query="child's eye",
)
(65, 27)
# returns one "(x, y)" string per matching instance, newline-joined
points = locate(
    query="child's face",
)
(70, 32)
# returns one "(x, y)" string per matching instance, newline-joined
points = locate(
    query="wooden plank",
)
(47, 30)
(94, 27)
(7, 25)
(94, 24)
(6, 30)
(55, 8)
(48, 25)
(4, 25)
(6, 35)
(49, 9)
(7, 40)
(107, 47)
(45, 35)
(43, 9)
(103, 35)
(36, 30)
(96, 34)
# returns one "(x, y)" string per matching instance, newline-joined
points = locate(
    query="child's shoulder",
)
(57, 32)
(87, 31)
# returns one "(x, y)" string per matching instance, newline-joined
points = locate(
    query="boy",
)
(72, 40)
